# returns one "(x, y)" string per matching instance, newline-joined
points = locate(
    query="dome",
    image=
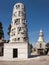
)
(19, 4)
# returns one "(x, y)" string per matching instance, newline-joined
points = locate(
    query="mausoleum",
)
(18, 46)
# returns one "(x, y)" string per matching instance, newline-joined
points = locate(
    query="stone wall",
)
(22, 51)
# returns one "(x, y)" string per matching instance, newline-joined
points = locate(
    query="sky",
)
(37, 16)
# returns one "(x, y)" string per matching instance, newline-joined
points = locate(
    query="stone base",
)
(14, 51)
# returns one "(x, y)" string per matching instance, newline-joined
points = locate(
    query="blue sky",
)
(37, 15)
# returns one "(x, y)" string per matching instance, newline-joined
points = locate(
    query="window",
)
(17, 6)
(22, 32)
(16, 39)
(25, 38)
(13, 29)
(19, 28)
(40, 45)
(20, 13)
(17, 21)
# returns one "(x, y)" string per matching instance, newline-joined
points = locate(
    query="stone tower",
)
(18, 47)
(40, 45)
(18, 26)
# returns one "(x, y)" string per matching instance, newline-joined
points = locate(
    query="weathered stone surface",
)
(22, 51)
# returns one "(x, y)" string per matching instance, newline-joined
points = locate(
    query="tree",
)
(9, 29)
(1, 31)
(1, 40)
(47, 45)
(31, 46)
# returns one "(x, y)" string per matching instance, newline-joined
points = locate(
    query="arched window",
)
(17, 21)
(17, 6)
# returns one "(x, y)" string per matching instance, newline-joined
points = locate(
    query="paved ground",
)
(41, 60)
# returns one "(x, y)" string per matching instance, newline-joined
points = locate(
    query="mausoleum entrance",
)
(15, 53)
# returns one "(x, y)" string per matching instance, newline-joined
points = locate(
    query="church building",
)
(40, 45)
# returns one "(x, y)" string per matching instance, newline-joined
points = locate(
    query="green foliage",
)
(47, 45)
(31, 46)
(1, 31)
(0, 25)
(9, 29)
